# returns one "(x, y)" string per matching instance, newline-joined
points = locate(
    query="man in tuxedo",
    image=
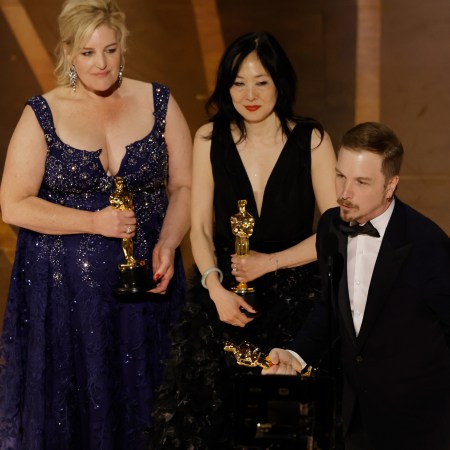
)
(387, 279)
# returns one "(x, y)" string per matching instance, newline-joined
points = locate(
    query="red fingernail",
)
(157, 276)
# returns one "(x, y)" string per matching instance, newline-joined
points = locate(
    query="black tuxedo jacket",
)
(398, 367)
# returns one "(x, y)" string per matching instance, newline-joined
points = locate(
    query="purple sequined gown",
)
(78, 369)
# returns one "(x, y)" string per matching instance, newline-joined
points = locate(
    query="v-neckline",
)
(96, 153)
(248, 185)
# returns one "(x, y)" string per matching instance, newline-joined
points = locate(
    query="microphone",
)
(330, 249)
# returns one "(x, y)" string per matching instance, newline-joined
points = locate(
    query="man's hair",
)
(379, 139)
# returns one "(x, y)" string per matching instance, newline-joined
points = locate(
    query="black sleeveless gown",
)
(194, 408)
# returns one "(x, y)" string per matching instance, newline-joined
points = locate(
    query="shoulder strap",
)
(43, 113)
(301, 134)
(161, 95)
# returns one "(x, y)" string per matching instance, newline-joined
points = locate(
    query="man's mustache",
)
(347, 204)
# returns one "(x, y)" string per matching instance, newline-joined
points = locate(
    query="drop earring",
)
(73, 78)
(120, 77)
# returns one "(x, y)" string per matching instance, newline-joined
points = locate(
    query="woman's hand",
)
(228, 306)
(252, 266)
(115, 223)
(163, 258)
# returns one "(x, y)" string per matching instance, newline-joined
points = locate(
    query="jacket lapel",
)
(393, 251)
(343, 299)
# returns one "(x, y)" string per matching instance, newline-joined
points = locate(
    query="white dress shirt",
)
(362, 253)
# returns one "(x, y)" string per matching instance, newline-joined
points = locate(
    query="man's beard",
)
(348, 216)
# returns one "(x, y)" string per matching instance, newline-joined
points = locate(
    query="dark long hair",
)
(274, 59)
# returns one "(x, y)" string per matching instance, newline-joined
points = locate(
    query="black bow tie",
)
(355, 230)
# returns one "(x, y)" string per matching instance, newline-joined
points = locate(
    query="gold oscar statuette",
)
(242, 224)
(248, 355)
(133, 277)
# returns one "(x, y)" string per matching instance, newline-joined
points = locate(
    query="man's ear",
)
(392, 186)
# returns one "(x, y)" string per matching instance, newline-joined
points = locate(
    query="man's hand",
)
(284, 363)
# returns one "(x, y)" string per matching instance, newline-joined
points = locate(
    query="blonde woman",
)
(78, 367)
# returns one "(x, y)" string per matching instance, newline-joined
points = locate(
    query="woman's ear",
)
(66, 51)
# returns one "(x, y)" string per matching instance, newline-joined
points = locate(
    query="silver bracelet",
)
(207, 272)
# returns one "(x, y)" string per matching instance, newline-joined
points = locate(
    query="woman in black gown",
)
(254, 148)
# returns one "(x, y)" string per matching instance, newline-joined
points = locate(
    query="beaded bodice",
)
(77, 179)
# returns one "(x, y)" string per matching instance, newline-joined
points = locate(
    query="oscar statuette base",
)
(133, 284)
(249, 295)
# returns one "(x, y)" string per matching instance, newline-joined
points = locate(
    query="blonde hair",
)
(77, 21)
